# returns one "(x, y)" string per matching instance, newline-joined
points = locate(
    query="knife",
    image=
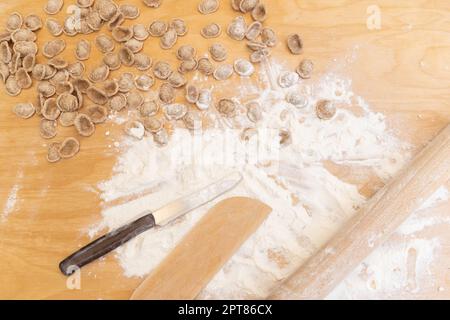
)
(149, 220)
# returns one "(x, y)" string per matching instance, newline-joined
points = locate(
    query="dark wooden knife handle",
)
(106, 244)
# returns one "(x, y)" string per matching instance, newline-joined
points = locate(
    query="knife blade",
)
(147, 221)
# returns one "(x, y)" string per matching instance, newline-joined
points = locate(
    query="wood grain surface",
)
(402, 70)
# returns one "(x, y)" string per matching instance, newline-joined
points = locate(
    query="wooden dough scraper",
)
(204, 251)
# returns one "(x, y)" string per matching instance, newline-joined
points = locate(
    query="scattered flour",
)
(309, 203)
(421, 220)
(400, 267)
(10, 202)
(417, 223)
(440, 196)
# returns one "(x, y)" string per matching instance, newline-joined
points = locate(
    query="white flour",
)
(441, 195)
(403, 264)
(421, 219)
(309, 203)
(395, 269)
(10, 202)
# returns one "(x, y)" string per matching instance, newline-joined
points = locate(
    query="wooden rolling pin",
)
(373, 225)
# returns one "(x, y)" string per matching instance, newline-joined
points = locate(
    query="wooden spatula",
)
(204, 251)
(373, 225)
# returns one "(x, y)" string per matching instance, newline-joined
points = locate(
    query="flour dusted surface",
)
(309, 203)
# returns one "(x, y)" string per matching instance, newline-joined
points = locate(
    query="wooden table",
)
(402, 70)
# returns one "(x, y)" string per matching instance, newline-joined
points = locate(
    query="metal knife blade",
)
(195, 200)
(148, 220)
